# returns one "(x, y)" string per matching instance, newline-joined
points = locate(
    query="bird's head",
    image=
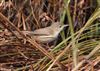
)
(57, 26)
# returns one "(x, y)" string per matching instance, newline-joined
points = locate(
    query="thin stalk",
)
(74, 15)
(72, 33)
(62, 20)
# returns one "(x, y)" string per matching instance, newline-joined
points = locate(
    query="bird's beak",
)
(65, 25)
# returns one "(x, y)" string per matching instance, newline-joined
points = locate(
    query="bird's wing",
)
(43, 31)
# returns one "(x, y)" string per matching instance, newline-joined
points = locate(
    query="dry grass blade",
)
(87, 57)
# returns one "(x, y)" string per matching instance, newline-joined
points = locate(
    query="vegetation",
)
(76, 48)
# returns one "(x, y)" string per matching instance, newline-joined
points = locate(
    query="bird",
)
(44, 35)
(47, 34)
